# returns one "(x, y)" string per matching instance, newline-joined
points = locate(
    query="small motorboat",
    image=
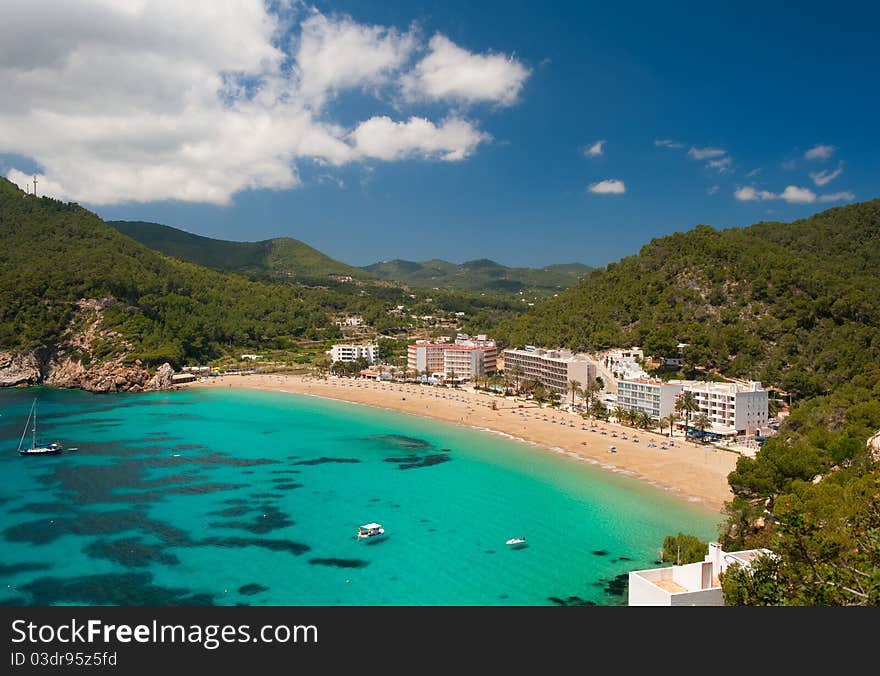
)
(516, 543)
(370, 531)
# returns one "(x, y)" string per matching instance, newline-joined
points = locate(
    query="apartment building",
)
(648, 395)
(554, 368)
(349, 353)
(464, 359)
(733, 408)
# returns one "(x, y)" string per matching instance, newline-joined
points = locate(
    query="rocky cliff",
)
(72, 363)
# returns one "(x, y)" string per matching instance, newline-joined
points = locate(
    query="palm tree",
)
(702, 422)
(646, 421)
(539, 392)
(687, 404)
(573, 387)
(600, 410)
(516, 372)
(619, 413)
(669, 420)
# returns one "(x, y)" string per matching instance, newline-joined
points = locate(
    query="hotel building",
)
(464, 359)
(554, 368)
(648, 395)
(734, 409)
(349, 353)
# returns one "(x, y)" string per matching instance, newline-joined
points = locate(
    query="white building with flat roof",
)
(735, 409)
(648, 395)
(693, 584)
(554, 368)
(349, 353)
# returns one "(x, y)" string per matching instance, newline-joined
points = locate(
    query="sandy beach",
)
(693, 472)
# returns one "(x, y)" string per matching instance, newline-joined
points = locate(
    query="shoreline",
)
(689, 471)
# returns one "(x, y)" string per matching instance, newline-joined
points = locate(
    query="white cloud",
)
(610, 186)
(705, 153)
(598, 148)
(837, 197)
(819, 152)
(795, 195)
(721, 165)
(713, 189)
(449, 72)
(754, 172)
(792, 194)
(668, 143)
(338, 53)
(196, 101)
(384, 139)
(750, 194)
(825, 177)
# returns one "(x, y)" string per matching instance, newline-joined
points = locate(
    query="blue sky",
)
(717, 113)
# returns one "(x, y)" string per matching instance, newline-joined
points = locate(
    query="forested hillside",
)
(280, 257)
(795, 304)
(481, 275)
(52, 254)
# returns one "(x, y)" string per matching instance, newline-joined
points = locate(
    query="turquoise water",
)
(228, 497)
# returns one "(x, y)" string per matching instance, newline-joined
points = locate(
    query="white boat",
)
(516, 542)
(370, 531)
(34, 449)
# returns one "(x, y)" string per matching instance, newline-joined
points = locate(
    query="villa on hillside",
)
(693, 584)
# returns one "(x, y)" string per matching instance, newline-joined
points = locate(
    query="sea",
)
(240, 497)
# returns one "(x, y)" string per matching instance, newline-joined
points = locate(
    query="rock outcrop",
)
(73, 364)
(162, 379)
(19, 369)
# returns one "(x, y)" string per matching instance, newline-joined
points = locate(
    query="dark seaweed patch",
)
(121, 589)
(322, 461)
(284, 471)
(414, 461)
(270, 518)
(235, 501)
(269, 496)
(600, 552)
(231, 511)
(488, 551)
(42, 508)
(44, 531)
(13, 601)
(288, 487)
(618, 585)
(7, 569)
(251, 589)
(400, 441)
(340, 563)
(187, 447)
(130, 552)
(295, 548)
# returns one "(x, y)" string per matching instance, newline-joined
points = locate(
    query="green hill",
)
(280, 257)
(53, 255)
(792, 304)
(480, 275)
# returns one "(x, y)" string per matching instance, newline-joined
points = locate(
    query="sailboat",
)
(34, 449)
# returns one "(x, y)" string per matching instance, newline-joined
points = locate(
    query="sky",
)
(530, 133)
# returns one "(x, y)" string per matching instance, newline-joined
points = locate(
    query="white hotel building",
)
(734, 409)
(349, 353)
(554, 368)
(648, 395)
